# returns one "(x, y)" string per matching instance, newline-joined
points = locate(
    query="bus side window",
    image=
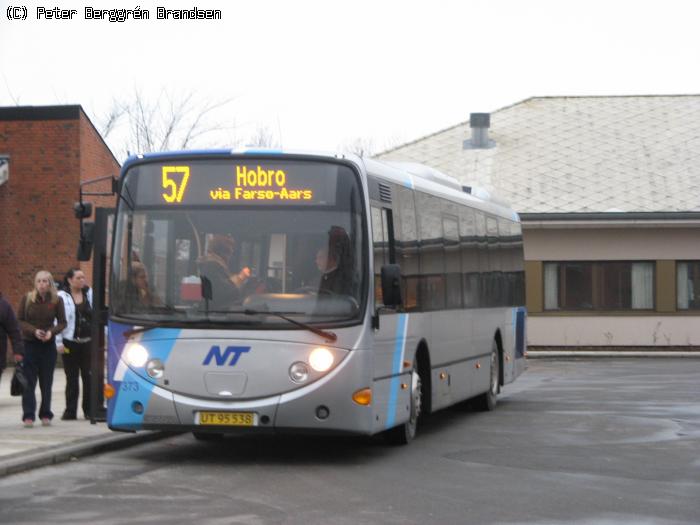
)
(453, 276)
(470, 258)
(380, 240)
(407, 249)
(483, 253)
(493, 280)
(431, 288)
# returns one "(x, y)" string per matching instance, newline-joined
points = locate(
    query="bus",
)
(256, 291)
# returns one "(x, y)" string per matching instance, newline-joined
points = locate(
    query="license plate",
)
(230, 419)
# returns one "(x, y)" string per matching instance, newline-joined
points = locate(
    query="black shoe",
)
(100, 416)
(68, 416)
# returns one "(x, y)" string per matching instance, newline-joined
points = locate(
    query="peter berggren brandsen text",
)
(122, 15)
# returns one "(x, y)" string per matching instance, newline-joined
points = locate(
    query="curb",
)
(83, 447)
(583, 353)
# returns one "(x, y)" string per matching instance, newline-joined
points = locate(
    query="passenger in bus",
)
(139, 289)
(226, 286)
(335, 264)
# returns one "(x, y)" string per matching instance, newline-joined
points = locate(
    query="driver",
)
(226, 286)
(333, 263)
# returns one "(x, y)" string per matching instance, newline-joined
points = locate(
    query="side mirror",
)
(86, 242)
(82, 210)
(391, 285)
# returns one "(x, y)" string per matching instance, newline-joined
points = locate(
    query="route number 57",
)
(171, 183)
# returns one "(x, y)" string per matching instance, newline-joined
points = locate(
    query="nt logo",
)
(232, 352)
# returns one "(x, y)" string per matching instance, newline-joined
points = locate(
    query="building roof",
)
(64, 112)
(579, 154)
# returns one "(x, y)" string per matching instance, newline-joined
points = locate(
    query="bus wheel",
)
(207, 436)
(404, 433)
(487, 400)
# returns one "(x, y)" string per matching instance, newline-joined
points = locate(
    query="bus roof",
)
(421, 177)
(164, 155)
(408, 174)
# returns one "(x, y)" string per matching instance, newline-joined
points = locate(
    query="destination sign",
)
(235, 182)
(261, 184)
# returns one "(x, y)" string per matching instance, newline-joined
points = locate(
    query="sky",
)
(319, 75)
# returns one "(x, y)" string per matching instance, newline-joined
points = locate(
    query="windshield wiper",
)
(329, 336)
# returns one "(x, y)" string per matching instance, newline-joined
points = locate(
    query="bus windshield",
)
(226, 241)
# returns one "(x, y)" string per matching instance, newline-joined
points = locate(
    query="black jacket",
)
(9, 327)
(336, 282)
(224, 292)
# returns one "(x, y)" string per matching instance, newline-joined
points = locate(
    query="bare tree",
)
(264, 138)
(366, 147)
(112, 118)
(363, 147)
(165, 122)
(15, 100)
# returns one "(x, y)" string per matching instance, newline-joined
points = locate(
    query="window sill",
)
(614, 313)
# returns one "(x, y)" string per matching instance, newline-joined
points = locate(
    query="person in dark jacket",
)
(226, 286)
(335, 263)
(330, 281)
(41, 316)
(74, 342)
(9, 327)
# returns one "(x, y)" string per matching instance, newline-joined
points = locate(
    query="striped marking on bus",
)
(134, 387)
(399, 351)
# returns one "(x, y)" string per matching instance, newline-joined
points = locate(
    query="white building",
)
(608, 189)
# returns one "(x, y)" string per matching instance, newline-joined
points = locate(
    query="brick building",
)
(51, 150)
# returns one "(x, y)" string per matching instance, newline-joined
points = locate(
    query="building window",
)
(599, 285)
(688, 279)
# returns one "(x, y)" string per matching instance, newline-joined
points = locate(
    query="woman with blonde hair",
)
(41, 316)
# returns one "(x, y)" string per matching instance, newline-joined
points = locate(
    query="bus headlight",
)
(135, 355)
(299, 372)
(321, 359)
(155, 368)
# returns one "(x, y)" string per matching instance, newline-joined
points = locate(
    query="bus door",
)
(390, 401)
(95, 243)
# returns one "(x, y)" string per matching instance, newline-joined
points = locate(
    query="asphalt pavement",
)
(25, 448)
(577, 441)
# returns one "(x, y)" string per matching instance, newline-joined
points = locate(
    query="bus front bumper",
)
(325, 406)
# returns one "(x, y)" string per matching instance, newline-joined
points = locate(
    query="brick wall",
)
(38, 230)
(48, 158)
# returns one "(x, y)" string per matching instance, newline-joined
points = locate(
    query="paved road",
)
(592, 442)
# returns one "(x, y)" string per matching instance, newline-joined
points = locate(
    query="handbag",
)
(19, 381)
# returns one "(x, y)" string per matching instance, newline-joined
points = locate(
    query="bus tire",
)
(406, 432)
(207, 436)
(487, 401)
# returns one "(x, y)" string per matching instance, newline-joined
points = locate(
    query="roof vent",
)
(480, 124)
(384, 193)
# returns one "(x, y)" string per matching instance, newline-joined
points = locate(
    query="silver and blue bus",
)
(268, 291)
